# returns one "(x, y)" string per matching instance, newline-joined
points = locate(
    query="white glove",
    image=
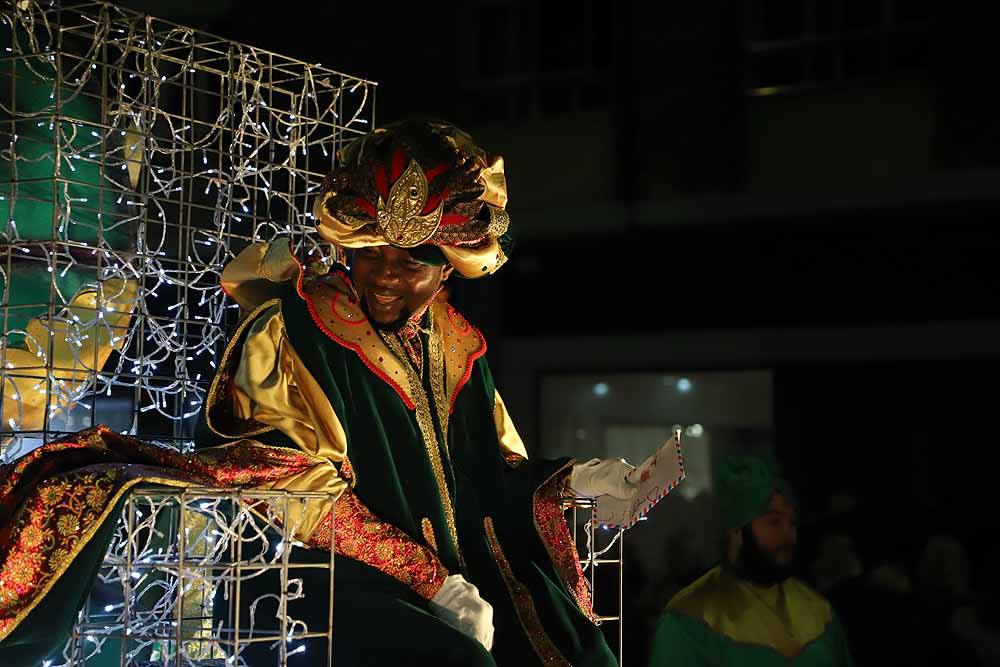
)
(458, 604)
(599, 477)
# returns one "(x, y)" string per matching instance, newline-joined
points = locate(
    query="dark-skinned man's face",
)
(392, 285)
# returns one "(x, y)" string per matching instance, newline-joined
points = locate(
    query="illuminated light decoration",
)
(165, 603)
(151, 156)
(124, 174)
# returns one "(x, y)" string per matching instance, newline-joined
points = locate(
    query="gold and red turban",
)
(420, 185)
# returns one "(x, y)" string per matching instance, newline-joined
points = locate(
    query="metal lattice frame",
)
(140, 157)
(157, 154)
(177, 557)
(598, 548)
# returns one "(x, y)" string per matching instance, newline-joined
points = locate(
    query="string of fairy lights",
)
(196, 146)
(157, 589)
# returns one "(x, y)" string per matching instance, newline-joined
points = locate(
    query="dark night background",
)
(805, 186)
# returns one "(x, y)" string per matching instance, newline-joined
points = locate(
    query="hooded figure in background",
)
(750, 610)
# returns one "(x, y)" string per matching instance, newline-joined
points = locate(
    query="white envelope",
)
(656, 476)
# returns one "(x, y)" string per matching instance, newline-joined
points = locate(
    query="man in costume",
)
(750, 610)
(452, 546)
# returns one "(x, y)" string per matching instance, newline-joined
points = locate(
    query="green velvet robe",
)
(721, 621)
(512, 539)
(509, 545)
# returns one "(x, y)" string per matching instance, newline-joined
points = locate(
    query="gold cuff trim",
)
(355, 532)
(550, 523)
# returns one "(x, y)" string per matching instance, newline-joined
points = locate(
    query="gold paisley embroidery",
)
(428, 530)
(550, 522)
(31, 570)
(68, 525)
(58, 516)
(53, 493)
(32, 536)
(364, 537)
(96, 498)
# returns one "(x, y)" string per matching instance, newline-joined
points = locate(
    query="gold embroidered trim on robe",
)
(428, 530)
(425, 422)
(435, 358)
(550, 522)
(35, 564)
(524, 605)
(737, 610)
(59, 514)
(335, 308)
(463, 344)
(364, 537)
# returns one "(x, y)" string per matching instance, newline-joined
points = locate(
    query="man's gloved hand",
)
(599, 477)
(458, 604)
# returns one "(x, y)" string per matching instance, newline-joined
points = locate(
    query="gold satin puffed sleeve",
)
(271, 386)
(510, 442)
(250, 278)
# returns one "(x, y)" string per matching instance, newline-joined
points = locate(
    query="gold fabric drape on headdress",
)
(417, 184)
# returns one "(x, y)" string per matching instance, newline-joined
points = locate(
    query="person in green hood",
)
(750, 610)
